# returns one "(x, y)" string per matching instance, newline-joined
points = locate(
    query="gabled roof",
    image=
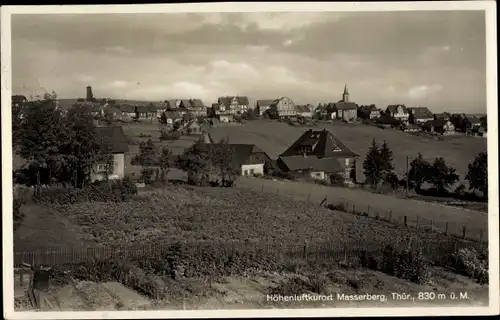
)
(444, 115)
(343, 106)
(113, 138)
(323, 143)
(312, 162)
(126, 108)
(421, 113)
(473, 120)
(172, 104)
(393, 108)
(185, 103)
(197, 103)
(265, 103)
(302, 108)
(435, 123)
(111, 110)
(242, 100)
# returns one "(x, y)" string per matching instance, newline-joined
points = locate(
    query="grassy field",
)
(364, 201)
(274, 138)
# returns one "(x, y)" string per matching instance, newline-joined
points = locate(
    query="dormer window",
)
(337, 149)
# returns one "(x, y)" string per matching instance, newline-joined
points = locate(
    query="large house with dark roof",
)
(227, 107)
(344, 109)
(320, 155)
(194, 107)
(420, 115)
(113, 139)
(398, 112)
(444, 127)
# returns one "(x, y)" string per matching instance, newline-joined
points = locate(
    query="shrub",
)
(175, 135)
(367, 261)
(18, 214)
(147, 175)
(298, 285)
(467, 261)
(338, 207)
(410, 265)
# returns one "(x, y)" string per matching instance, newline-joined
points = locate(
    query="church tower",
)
(345, 95)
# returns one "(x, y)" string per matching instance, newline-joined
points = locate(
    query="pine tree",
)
(477, 174)
(372, 165)
(386, 158)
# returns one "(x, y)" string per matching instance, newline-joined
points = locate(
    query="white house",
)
(114, 139)
(398, 112)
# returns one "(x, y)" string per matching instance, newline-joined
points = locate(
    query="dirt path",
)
(384, 205)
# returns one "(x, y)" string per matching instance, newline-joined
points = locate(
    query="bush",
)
(142, 135)
(18, 215)
(147, 175)
(176, 135)
(410, 265)
(338, 207)
(467, 261)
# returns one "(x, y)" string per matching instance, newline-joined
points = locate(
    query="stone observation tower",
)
(90, 96)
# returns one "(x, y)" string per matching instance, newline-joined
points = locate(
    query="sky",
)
(418, 58)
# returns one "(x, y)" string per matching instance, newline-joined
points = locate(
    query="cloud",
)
(384, 57)
(423, 91)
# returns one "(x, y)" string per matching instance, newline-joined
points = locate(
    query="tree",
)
(137, 113)
(477, 174)
(372, 165)
(419, 172)
(164, 161)
(108, 118)
(442, 176)
(163, 118)
(196, 162)
(387, 168)
(147, 153)
(222, 159)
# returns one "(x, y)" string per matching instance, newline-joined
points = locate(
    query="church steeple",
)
(345, 95)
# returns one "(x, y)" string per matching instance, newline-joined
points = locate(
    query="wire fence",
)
(410, 217)
(317, 251)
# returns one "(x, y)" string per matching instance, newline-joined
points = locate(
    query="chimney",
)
(90, 96)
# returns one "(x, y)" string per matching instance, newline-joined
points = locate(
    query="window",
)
(101, 167)
(337, 149)
(245, 172)
(252, 171)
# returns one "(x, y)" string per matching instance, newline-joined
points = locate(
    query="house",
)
(234, 105)
(465, 123)
(248, 158)
(420, 115)
(17, 100)
(320, 155)
(283, 108)
(113, 139)
(148, 111)
(442, 116)
(444, 127)
(263, 105)
(128, 111)
(482, 132)
(304, 111)
(194, 107)
(369, 112)
(193, 127)
(173, 117)
(114, 112)
(222, 112)
(398, 112)
(173, 104)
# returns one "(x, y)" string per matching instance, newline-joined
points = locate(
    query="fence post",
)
(406, 221)
(446, 229)
(464, 230)
(481, 235)
(304, 250)
(353, 208)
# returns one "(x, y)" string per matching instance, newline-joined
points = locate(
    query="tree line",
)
(378, 169)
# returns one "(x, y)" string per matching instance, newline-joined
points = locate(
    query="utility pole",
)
(407, 178)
